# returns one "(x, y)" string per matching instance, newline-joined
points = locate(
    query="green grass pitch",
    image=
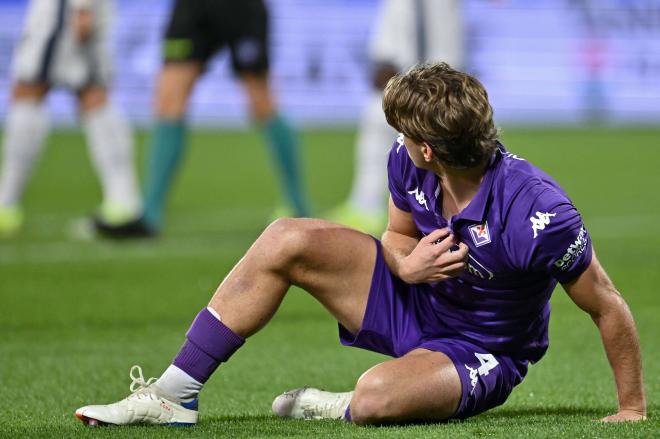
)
(75, 315)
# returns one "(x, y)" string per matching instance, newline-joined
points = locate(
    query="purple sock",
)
(347, 414)
(209, 343)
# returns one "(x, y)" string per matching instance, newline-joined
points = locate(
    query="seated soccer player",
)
(457, 290)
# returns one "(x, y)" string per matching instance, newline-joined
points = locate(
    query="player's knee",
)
(29, 91)
(262, 111)
(170, 104)
(93, 98)
(175, 84)
(171, 99)
(373, 401)
(286, 239)
(262, 107)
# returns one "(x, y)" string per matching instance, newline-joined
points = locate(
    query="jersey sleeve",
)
(396, 174)
(550, 236)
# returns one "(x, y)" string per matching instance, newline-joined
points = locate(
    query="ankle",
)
(179, 384)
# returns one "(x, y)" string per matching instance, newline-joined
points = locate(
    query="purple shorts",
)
(397, 321)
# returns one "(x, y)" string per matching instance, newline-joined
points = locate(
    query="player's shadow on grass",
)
(544, 412)
(271, 425)
(231, 419)
(266, 425)
(238, 419)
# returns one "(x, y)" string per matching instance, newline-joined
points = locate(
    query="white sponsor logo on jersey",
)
(420, 197)
(509, 155)
(573, 251)
(477, 269)
(540, 221)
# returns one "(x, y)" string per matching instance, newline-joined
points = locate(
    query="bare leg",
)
(175, 84)
(92, 98)
(260, 96)
(282, 140)
(29, 91)
(421, 386)
(168, 139)
(333, 263)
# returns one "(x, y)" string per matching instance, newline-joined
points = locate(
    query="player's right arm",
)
(411, 257)
(416, 260)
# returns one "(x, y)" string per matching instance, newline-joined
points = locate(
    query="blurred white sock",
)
(178, 383)
(110, 142)
(375, 136)
(25, 129)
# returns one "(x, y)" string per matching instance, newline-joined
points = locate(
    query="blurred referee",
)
(197, 30)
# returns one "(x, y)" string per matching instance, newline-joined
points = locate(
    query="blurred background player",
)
(197, 30)
(406, 33)
(64, 43)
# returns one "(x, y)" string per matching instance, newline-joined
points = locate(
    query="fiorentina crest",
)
(480, 234)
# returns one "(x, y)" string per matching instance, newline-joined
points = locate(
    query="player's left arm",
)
(560, 245)
(594, 292)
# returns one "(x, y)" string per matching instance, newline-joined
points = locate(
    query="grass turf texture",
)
(74, 316)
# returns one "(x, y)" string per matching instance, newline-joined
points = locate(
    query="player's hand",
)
(83, 25)
(432, 261)
(625, 416)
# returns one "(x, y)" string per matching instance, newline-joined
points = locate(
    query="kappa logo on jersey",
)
(480, 234)
(420, 197)
(540, 221)
(400, 142)
(573, 251)
(488, 362)
(474, 377)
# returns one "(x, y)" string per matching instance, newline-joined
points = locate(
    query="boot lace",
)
(139, 387)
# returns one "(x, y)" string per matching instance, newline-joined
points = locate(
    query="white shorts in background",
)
(48, 51)
(408, 32)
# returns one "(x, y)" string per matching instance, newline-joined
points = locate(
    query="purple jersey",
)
(523, 235)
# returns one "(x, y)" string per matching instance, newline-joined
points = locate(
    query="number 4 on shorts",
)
(487, 361)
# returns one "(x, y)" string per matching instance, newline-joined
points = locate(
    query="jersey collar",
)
(476, 210)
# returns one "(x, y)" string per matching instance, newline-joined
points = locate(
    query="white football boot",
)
(147, 404)
(311, 403)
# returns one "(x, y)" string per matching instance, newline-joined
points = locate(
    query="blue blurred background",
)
(543, 62)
